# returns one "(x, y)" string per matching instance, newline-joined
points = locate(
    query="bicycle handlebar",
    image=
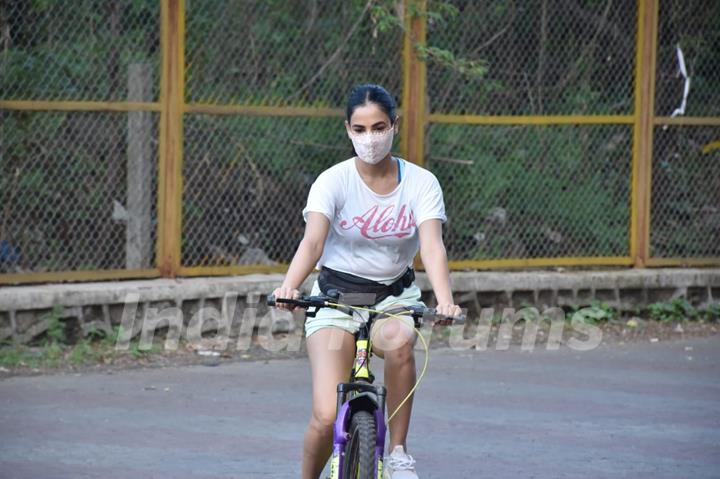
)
(418, 312)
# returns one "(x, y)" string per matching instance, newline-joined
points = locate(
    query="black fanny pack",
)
(358, 287)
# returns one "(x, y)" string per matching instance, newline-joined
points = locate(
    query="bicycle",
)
(359, 428)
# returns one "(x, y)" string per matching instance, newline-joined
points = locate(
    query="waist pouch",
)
(346, 283)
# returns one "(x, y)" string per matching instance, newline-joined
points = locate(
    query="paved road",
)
(640, 411)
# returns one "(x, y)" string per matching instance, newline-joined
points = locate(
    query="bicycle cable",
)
(422, 340)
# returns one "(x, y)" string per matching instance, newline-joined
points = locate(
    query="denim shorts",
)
(331, 318)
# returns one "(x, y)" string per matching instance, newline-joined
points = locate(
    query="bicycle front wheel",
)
(360, 448)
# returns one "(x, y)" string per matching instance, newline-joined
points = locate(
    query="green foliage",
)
(110, 340)
(679, 309)
(56, 329)
(384, 19)
(446, 58)
(82, 352)
(497, 319)
(439, 13)
(59, 48)
(712, 312)
(10, 356)
(54, 353)
(95, 334)
(138, 350)
(531, 192)
(595, 313)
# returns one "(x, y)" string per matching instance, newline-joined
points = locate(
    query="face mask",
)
(372, 147)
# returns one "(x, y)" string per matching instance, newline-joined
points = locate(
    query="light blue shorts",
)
(331, 318)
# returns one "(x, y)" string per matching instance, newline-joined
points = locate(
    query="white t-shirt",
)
(373, 236)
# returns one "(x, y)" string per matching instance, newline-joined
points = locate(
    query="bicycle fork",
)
(363, 396)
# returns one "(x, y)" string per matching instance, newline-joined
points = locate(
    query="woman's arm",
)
(434, 258)
(309, 250)
(306, 256)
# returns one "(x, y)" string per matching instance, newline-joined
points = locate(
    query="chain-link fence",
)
(543, 57)
(685, 207)
(145, 138)
(534, 191)
(299, 53)
(78, 181)
(78, 191)
(54, 51)
(243, 187)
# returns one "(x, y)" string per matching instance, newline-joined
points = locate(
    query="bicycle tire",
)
(360, 449)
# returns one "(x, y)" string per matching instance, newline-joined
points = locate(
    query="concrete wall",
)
(25, 310)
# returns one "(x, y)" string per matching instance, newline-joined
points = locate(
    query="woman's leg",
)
(393, 340)
(331, 352)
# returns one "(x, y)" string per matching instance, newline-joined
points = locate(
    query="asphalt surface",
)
(647, 410)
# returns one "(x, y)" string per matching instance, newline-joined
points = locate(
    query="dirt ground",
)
(211, 353)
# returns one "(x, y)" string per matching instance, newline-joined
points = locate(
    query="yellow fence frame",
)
(172, 108)
(172, 99)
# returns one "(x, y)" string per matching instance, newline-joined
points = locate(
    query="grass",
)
(53, 351)
(676, 310)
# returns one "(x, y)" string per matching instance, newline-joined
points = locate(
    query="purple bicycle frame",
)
(341, 435)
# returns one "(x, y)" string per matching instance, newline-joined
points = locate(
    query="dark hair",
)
(371, 93)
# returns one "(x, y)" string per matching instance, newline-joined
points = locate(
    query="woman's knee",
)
(395, 337)
(323, 417)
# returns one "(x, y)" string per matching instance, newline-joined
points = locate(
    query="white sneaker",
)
(399, 465)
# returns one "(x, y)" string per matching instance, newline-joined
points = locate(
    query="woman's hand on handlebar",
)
(286, 293)
(452, 310)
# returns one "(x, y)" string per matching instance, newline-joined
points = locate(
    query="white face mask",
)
(372, 147)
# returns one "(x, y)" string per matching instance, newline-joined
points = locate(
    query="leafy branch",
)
(446, 58)
(438, 13)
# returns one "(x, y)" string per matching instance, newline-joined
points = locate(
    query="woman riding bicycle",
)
(365, 218)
